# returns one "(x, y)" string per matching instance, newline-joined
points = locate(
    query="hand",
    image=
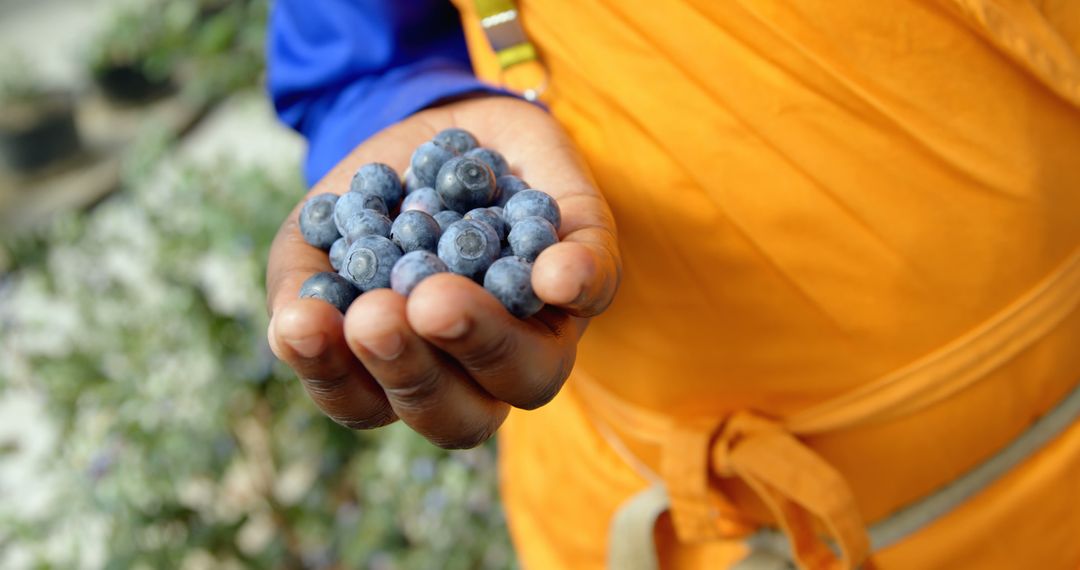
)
(449, 360)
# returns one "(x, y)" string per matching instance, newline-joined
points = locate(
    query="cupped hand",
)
(449, 360)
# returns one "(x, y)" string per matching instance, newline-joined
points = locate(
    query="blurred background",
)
(143, 421)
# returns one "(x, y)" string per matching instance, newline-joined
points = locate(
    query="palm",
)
(451, 386)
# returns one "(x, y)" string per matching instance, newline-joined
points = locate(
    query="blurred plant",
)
(19, 84)
(211, 47)
(142, 37)
(37, 120)
(179, 441)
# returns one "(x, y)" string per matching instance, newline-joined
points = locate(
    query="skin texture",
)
(532, 203)
(490, 218)
(423, 199)
(508, 279)
(531, 236)
(413, 230)
(337, 253)
(506, 186)
(469, 247)
(368, 262)
(445, 218)
(377, 179)
(465, 183)
(414, 267)
(365, 223)
(449, 360)
(332, 288)
(351, 204)
(491, 157)
(459, 141)
(317, 221)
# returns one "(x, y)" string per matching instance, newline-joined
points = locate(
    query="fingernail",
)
(386, 347)
(309, 346)
(454, 331)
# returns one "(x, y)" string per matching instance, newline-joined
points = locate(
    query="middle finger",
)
(429, 392)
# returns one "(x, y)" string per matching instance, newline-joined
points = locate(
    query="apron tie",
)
(800, 489)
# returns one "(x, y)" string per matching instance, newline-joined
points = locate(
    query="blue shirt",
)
(341, 70)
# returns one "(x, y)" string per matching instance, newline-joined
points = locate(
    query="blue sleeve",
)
(341, 70)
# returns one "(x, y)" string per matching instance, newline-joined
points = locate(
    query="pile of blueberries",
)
(459, 210)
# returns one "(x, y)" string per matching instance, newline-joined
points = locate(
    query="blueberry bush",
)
(159, 431)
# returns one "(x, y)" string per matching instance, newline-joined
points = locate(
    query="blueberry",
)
(445, 218)
(427, 159)
(414, 267)
(510, 281)
(369, 261)
(330, 287)
(378, 179)
(410, 182)
(468, 247)
(492, 158)
(337, 252)
(365, 223)
(459, 141)
(317, 221)
(532, 203)
(506, 251)
(425, 199)
(350, 204)
(465, 183)
(506, 186)
(498, 211)
(413, 230)
(530, 236)
(490, 218)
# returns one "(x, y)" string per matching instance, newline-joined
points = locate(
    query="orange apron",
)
(851, 240)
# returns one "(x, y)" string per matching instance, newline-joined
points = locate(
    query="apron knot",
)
(801, 491)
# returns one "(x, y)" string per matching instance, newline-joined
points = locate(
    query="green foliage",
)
(20, 84)
(179, 440)
(214, 46)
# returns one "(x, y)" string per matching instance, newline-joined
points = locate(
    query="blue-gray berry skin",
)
(492, 158)
(468, 247)
(330, 287)
(426, 161)
(414, 267)
(365, 223)
(350, 204)
(425, 199)
(490, 218)
(413, 230)
(409, 181)
(337, 252)
(530, 236)
(445, 218)
(532, 203)
(507, 251)
(510, 281)
(368, 262)
(317, 221)
(506, 186)
(465, 183)
(378, 179)
(498, 210)
(459, 141)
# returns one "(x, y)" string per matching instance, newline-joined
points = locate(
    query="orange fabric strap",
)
(799, 488)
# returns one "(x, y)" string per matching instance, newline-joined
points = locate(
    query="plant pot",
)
(35, 134)
(129, 84)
